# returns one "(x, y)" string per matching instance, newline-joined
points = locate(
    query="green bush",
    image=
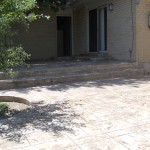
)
(13, 12)
(12, 57)
(4, 108)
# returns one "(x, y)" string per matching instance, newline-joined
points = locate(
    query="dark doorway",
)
(93, 30)
(64, 36)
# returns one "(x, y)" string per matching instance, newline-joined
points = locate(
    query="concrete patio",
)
(107, 114)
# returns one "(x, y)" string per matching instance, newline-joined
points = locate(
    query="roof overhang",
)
(76, 2)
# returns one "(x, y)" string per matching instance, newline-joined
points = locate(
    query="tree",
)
(54, 4)
(18, 11)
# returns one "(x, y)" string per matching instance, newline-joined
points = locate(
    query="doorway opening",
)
(64, 42)
(93, 30)
(98, 30)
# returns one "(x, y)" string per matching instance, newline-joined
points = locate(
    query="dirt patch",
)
(14, 108)
(15, 105)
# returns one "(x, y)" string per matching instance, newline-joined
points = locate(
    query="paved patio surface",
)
(101, 115)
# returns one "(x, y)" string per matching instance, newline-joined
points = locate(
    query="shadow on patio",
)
(133, 82)
(53, 118)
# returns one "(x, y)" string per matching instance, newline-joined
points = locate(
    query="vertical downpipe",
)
(133, 36)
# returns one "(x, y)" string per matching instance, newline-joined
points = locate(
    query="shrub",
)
(22, 12)
(4, 108)
(12, 57)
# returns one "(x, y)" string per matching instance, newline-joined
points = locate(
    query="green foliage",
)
(13, 11)
(18, 11)
(12, 57)
(54, 4)
(4, 108)
(21, 11)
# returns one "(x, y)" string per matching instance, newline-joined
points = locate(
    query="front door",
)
(102, 29)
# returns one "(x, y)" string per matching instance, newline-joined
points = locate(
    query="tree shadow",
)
(134, 82)
(53, 118)
(102, 83)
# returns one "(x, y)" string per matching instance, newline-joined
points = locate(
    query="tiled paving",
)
(101, 115)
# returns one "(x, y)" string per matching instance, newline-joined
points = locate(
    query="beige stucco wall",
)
(120, 40)
(80, 30)
(142, 31)
(41, 39)
(120, 30)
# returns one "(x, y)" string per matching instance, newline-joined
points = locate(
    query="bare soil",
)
(15, 108)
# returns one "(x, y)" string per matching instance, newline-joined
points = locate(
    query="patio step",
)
(68, 68)
(50, 80)
(39, 77)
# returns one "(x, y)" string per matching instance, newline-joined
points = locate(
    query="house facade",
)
(119, 28)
